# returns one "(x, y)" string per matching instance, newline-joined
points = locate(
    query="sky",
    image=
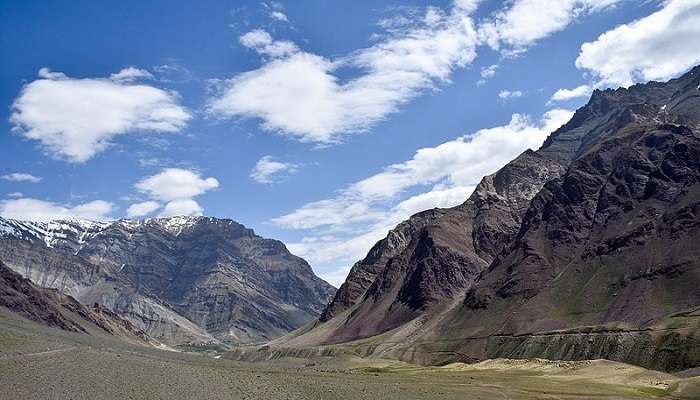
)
(319, 123)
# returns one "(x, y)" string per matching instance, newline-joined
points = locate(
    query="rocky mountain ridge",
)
(586, 248)
(181, 279)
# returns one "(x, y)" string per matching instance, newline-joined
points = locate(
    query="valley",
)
(40, 362)
(370, 200)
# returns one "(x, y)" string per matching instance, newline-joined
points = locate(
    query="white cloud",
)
(507, 94)
(261, 41)
(142, 209)
(657, 47)
(182, 207)
(21, 177)
(568, 94)
(275, 11)
(48, 74)
(40, 210)
(487, 73)
(130, 74)
(15, 194)
(343, 228)
(176, 187)
(460, 162)
(74, 119)
(524, 22)
(175, 184)
(279, 16)
(299, 94)
(269, 170)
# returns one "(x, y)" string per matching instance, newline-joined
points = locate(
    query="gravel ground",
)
(42, 363)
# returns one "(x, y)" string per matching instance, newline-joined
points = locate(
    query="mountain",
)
(587, 248)
(180, 279)
(51, 308)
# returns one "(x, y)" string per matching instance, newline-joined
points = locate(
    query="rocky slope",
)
(587, 248)
(54, 309)
(181, 279)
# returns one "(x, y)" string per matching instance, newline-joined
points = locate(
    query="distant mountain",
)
(54, 309)
(588, 248)
(181, 279)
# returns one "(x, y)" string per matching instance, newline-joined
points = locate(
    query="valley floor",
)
(43, 363)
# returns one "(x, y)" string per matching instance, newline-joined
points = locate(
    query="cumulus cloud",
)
(176, 184)
(508, 94)
(342, 229)
(142, 209)
(269, 170)
(15, 194)
(74, 119)
(299, 94)
(182, 207)
(40, 210)
(21, 177)
(656, 47)
(524, 22)
(568, 94)
(176, 188)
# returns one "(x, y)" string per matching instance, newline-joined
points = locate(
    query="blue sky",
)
(320, 123)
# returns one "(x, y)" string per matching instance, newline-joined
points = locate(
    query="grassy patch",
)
(9, 339)
(201, 348)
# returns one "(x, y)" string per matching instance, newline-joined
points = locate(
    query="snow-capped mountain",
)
(181, 279)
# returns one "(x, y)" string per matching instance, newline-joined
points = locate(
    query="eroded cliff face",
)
(586, 248)
(182, 279)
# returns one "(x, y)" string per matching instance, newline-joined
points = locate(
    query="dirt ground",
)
(44, 363)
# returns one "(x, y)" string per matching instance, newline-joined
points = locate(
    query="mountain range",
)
(586, 248)
(182, 280)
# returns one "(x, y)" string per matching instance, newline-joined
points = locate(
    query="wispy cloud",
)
(487, 73)
(268, 170)
(275, 10)
(21, 177)
(299, 94)
(509, 94)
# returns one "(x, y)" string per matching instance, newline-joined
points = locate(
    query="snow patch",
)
(175, 225)
(70, 232)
